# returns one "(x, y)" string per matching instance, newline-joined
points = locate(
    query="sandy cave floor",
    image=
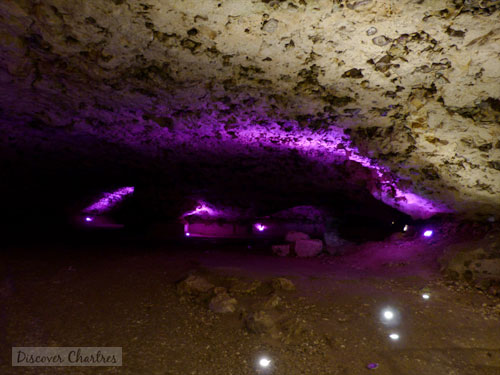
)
(331, 324)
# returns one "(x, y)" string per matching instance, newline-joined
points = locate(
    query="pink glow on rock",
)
(109, 200)
(408, 202)
(207, 135)
(333, 146)
(207, 211)
(260, 227)
(202, 210)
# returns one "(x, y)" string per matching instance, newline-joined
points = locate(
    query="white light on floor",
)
(426, 296)
(428, 233)
(264, 362)
(388, 315)
(394, 336)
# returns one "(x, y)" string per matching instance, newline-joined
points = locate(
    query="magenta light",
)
(260, 227)
(109, 200)
(428, 233)
(201, 209)
(88, 219)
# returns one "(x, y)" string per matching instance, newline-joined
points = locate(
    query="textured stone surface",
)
(401, 99)
(487, 268)
(194, 285)
(281, 283)
(308, 248)
(222, 303)
(260, 322)
(475, 262)
(457, 265)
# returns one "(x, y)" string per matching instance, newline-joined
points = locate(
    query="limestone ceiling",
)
(399, 97)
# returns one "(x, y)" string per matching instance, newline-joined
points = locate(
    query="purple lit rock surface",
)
(206, 211)
(109, 200)
(308, 248)
(203, 210)
(233, 106)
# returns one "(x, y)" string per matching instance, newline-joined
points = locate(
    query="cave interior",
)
(251, 186)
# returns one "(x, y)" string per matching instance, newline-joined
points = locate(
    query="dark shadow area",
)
(43, 189)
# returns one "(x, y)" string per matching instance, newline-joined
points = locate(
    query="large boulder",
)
(260, 322)
(295, 236)
(308, 248)
(456, 264)
(486, 268)
(281, 283)
(194, 285)
(479, 266)
(223, 303)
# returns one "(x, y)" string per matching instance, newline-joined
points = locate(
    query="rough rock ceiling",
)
(399, 98)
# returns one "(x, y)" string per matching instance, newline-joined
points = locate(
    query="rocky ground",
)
(196, 309)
